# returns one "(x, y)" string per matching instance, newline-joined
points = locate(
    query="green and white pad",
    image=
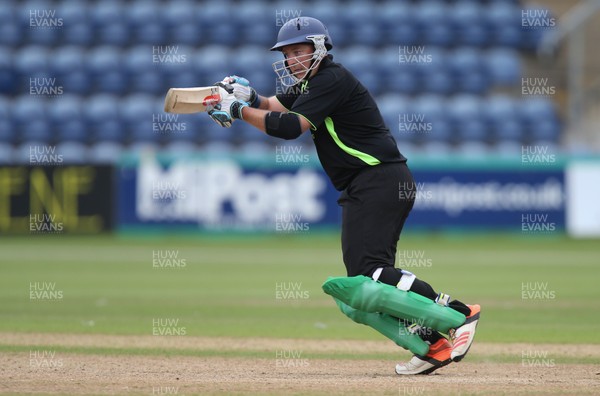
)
(365, 294)
(388, 326)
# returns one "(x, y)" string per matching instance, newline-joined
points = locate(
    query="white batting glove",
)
(241, 88)
(228, 109)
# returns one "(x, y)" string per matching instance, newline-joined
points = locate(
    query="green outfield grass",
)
(228, 286)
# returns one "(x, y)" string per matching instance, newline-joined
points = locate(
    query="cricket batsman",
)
(361, 157)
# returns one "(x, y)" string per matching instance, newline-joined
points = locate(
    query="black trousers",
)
(375, 206)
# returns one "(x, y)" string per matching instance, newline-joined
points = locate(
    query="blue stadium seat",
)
(468, 71)
(68, 65)
(107, 12)
(23, 151)
(105, 152)
(360, 22)
(138, 115)
(73, 152)
(102, 117)
(146, 22)
(435, 148)
(504, 22)
(66, 116)
(387, 61)
(432, 113)
(213, 13)
(31, 61)
(10, 33)
(398, 24)
(8, 75)
(183, 79)
(539, 118)
(338, 35)
(8, 131)
(501, 118)
(465, 113)
(431, 18)
(263, 81)
(77, 27)
(508, 148)
(359, 60)
(187, 33)
(248, 59)
(6, 153)
(79, 33)
(107, 70)
(179, 12)
(176, 69)
(115, 33)
(433, 74)
(43, 35)
(473, 149)
(394, 108)
(503, 66)
(143, 73)
(257, 24)
(211, 63)
(468, 24)
(408, 149)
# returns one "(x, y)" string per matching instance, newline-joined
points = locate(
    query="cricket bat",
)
(192, 100)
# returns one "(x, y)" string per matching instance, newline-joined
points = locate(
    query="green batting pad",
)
(365, 294)
(388, 326)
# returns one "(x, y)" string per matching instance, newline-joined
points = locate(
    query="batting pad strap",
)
(282, 125)
(406, 281)
(442, 299)
(377, 274)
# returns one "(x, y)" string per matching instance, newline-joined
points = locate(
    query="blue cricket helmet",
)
(299, 30)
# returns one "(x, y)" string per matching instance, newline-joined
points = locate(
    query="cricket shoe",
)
(438, 356)
(463, 336)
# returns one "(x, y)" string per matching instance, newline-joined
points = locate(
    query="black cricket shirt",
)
(346, 126)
